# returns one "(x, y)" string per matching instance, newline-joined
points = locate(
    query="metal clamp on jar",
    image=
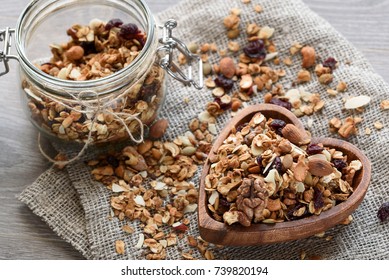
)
(113, 107)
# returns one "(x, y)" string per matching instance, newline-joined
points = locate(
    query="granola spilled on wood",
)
(267, 171)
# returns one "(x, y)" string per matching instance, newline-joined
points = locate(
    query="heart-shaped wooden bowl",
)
(257, 234)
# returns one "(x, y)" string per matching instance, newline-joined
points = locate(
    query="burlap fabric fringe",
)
(82, 217)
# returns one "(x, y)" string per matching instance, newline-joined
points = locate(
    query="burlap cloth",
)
(77, 208)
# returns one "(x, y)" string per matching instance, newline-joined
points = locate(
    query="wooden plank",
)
(22, 234)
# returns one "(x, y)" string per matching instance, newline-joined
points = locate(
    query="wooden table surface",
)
(22, 234)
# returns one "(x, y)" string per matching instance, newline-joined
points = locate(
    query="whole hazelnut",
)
(74, 53)
(235, 105)
(227, 67)
(309, 56)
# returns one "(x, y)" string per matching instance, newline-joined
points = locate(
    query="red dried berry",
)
(181, 227)
(314, 149)
(129, 31)
(225, 83)
(222, 105)
(114, 162)
(291, 210)
(279, 102)
(147, 92)
(278, 125)
(89, 47)
(383, 212)
(276, 164)
(339, 164)
(330, 63)
(255, 49)
(113, 23)
(224, 202)
(259, 160)
(318, 201)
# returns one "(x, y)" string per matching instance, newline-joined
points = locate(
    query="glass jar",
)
(117, 105)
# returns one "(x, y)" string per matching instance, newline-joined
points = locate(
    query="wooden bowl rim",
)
(289, 230)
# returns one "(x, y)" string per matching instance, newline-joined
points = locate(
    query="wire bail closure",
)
(166, 53)
(6, 36)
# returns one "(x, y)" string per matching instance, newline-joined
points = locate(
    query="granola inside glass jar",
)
(91, 71)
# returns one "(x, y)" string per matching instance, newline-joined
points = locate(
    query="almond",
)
(295, 135)
(319, 167)
(158, 129)
(227, 67)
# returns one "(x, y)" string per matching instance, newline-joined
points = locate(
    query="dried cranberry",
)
(181, 228)
(255, 49)
(224, 202)
(222, 105)
(259, 160)
(330, 63)
(82, 119)
(291, 217)
(141, 39)
(383, 212)
(89, 47)
(129, 31)
(147, 92)
(39, 105)
(282, 103)
(278, 125)
(276, 164)
(250, 92)
(318, 201)
(314, 149)
(112, 161)
(339, 164)
(113, 23)
(225, 83)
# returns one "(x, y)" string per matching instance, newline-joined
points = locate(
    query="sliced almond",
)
(139, 200)
(357, 102)
(141, 239)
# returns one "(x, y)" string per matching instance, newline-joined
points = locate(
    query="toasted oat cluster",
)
(95, 50)
(267, 171)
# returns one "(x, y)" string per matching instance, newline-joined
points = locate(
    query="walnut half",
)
(251, 201)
